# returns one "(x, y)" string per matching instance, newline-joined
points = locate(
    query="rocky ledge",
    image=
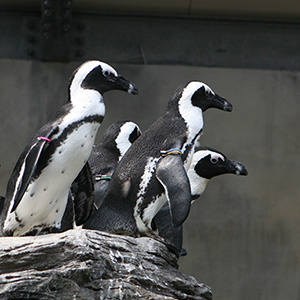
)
(86, 264)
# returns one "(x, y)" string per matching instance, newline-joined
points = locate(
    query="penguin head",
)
(99, 76)
(208, 163)
(202, 96)
(127, 134)
(120, 135)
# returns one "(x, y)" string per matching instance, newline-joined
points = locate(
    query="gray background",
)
(242, 235)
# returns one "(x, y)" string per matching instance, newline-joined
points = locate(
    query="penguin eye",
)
(213, 160)
(106, 73)
(206, 92)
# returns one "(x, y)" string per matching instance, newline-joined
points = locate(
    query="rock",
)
(85, 264)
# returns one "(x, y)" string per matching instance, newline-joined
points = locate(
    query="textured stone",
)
(85, 264)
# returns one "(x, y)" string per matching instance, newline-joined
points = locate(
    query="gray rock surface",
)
(86, 264)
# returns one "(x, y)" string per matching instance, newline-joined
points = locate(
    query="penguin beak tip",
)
(228, 107)
(242, 172)
(132, 89)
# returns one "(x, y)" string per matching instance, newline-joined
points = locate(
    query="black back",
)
(116, 213)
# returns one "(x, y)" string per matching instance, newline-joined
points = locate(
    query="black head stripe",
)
(93, 79)
(200, 99)
(134, 135)
(204, 168)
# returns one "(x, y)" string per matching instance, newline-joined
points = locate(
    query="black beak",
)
(235, 167)
(125, 85)
(220, 103)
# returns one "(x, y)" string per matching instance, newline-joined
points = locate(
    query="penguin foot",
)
(171, 247)
(154, 235)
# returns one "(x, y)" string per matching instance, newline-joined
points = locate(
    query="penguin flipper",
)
(171, 174)
(163, 223)
(2, 199)
(82, 193)
(100, 192)
(28, 168)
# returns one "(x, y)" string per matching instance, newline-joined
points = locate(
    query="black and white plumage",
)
(206, 164)
(95, 180)
(106, 155)
(38, 188)
(147, 176)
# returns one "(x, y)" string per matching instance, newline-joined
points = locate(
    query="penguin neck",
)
(122, 140)
(192, 116)
(193, 119)
(198, 184)
(84, 97)
(122, 145)
(85, 103)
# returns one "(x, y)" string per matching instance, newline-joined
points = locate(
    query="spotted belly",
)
(45, 199)
(149, 213)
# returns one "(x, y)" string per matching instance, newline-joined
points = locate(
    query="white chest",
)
(45, 199)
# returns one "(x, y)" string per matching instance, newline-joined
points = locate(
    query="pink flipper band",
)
(44, 138)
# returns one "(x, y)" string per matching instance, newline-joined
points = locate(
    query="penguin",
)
(116, 140)
(38, 187)
(105, 156)
(153, 170)
(206, 164)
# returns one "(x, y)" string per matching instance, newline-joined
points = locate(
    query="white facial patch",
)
(208, 89)
(191, 114)
(193, 86)
(200, 154)
(122, 139)
(197, 183)
(107, 69)
(215, 157)
(84, 70)
(81, 73)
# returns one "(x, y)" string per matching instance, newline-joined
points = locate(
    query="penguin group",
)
(131, 183)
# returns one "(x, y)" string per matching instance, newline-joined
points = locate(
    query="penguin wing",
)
(100, 191)
(82, 193)
(2, 199)
(27, 170)
(164, 224)
(171, 174)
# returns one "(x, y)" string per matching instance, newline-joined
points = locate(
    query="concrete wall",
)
(242, 236)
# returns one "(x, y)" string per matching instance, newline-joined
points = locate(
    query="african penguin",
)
(116, 140)
(206, 164)
(105, 156)
(153, 169)
(38, 187)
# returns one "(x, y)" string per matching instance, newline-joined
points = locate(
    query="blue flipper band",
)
(171, 151)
